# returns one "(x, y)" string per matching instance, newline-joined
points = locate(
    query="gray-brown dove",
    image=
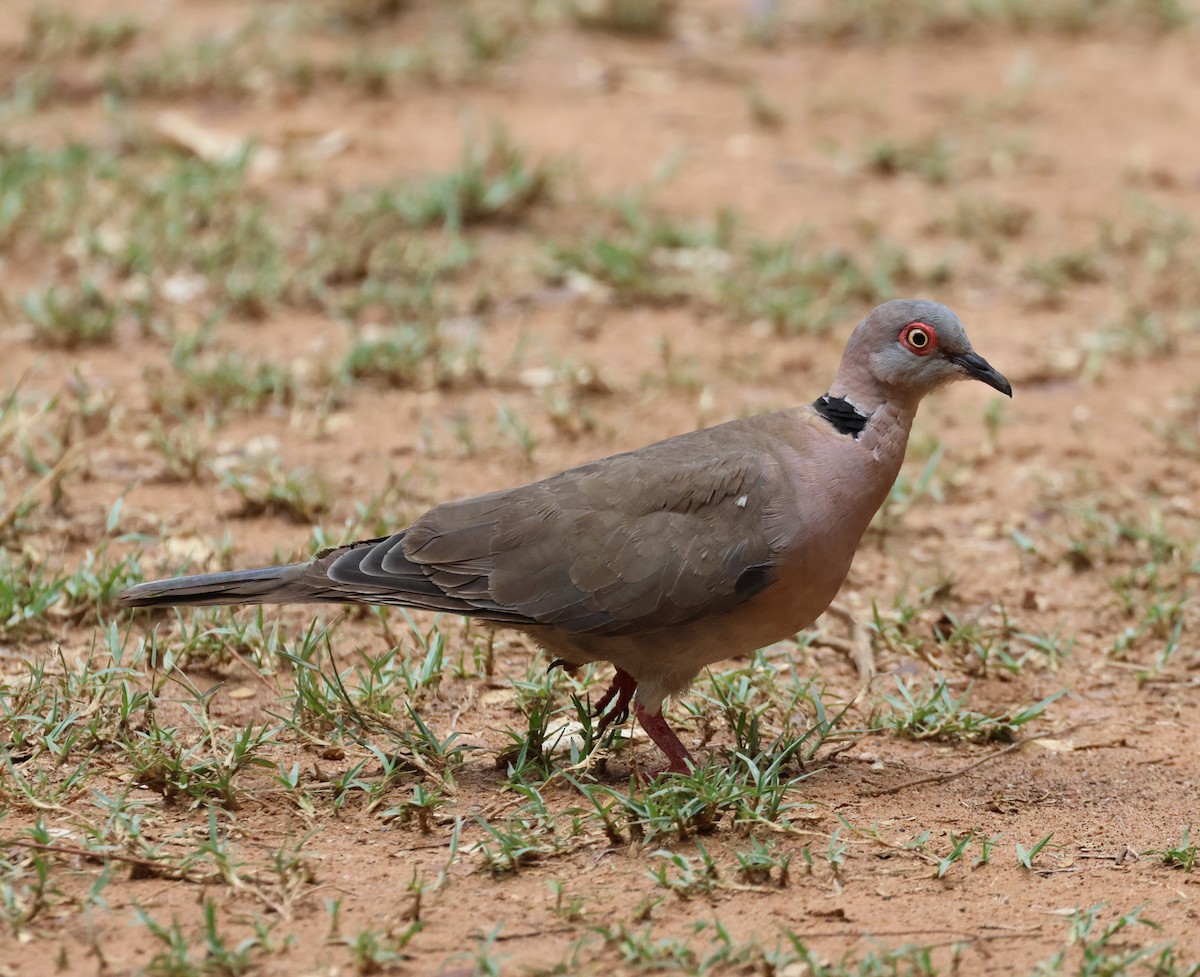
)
(665, 559)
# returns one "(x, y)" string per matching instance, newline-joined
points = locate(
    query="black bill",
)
(974, 365)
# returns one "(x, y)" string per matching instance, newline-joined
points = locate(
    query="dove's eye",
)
(919, 338)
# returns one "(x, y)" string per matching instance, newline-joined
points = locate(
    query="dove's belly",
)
(665, 662)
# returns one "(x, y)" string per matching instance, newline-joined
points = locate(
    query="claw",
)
(619, 695)
(614, 706)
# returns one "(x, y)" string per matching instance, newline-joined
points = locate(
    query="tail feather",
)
(268, 585)
(343, 575)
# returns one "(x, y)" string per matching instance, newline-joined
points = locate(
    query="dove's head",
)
(906, 348)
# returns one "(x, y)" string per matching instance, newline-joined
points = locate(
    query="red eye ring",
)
(918, 338)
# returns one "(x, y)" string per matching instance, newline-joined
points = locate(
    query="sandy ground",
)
(1065, 519)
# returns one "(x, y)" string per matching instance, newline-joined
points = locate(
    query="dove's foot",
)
(664, 737)
(613, 706)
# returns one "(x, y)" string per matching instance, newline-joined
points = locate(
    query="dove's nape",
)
(665, 559)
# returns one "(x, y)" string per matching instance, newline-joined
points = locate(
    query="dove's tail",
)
(269, 585)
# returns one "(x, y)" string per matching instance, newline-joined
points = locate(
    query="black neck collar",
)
(843, 415)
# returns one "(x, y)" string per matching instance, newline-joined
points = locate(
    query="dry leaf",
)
(185, 133)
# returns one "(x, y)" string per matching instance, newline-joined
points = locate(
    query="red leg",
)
(621, 690)
(678, 756)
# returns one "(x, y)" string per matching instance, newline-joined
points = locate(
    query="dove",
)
(662, 560)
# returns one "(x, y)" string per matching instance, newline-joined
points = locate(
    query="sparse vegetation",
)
(283, 276)
(935, 713)
(914, 20)
(1182, 855)
(928, 159)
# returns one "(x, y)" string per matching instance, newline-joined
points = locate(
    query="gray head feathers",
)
(905, 349)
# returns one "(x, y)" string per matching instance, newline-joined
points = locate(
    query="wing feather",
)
(632, 543)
